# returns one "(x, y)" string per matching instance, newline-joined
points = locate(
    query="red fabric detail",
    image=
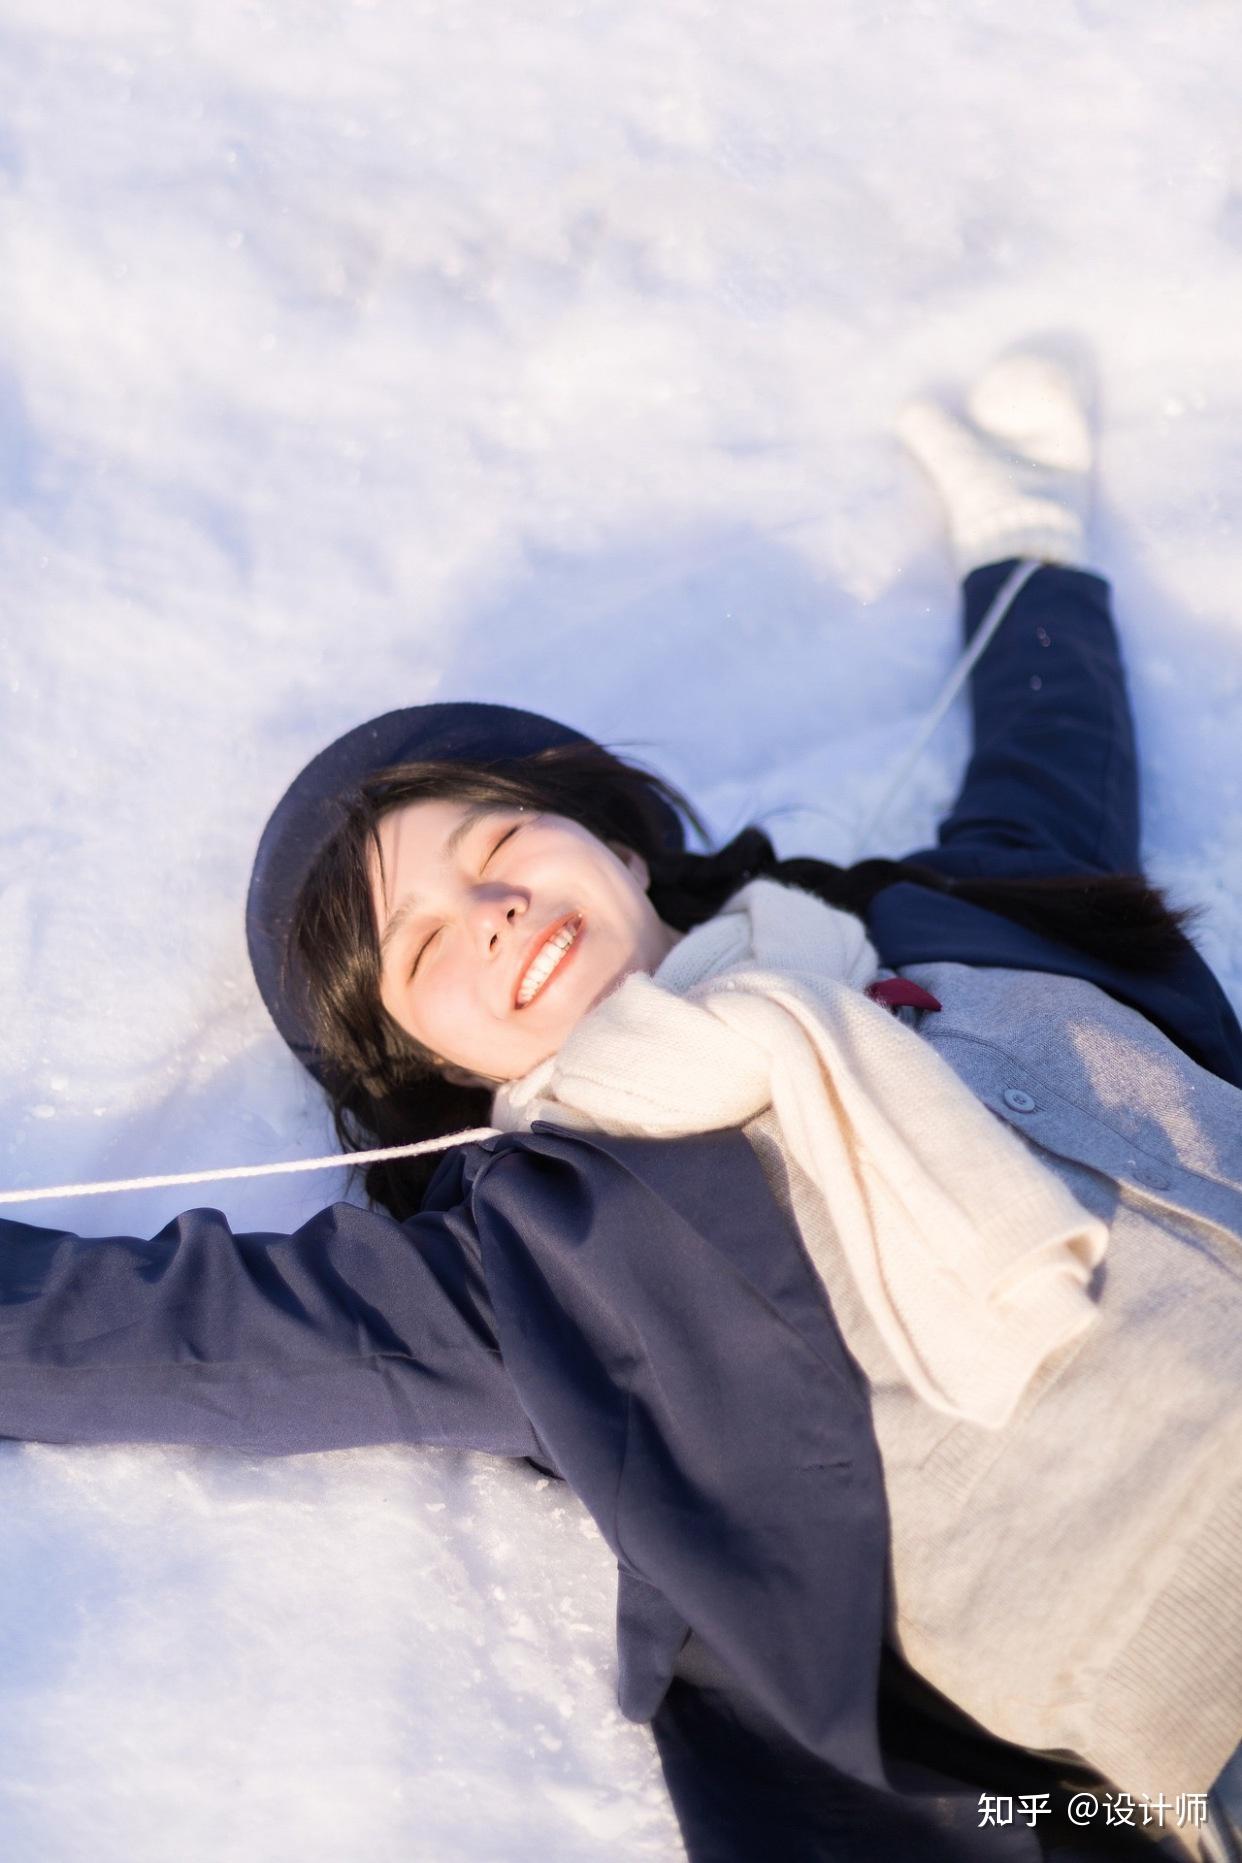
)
(900, 993)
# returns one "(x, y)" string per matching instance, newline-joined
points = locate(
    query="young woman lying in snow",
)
(864, 1246)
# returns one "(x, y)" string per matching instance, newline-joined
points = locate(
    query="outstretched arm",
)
(1052, 784)
(356, 1329)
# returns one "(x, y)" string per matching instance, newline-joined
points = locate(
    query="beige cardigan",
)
(1074, 1581)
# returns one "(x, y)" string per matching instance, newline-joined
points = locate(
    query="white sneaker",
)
(1017, 481)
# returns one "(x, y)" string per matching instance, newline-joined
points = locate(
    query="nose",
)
(497, 914)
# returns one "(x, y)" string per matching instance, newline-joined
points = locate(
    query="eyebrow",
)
(410, 904)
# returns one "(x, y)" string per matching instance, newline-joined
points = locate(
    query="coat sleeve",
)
(355, 1329)
(1052, 782)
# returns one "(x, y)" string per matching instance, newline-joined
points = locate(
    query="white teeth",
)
(546, 962)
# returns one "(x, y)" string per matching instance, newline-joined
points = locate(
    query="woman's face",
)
(465, 901)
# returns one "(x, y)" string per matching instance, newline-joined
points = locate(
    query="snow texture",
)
(543, 353)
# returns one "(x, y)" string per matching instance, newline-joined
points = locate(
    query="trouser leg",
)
(1053, 775)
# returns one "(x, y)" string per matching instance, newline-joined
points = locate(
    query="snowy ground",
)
(357, 355)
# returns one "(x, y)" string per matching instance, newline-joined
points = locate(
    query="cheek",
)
(400, 1007)
(408, 1004)
(439, 1008)
(642, 911)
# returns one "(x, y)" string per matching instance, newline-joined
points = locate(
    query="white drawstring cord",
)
(251, 1170)
(1001, 605)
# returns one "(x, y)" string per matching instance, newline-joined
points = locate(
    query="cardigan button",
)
(1017, 1101)
(1153, 1178)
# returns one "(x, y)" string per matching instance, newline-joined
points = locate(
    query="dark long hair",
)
(386, 1089)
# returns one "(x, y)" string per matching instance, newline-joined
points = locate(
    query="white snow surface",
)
(357, 355)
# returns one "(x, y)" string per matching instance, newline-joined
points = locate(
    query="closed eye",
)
(483, 869)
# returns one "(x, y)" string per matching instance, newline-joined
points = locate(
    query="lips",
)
(536, 946)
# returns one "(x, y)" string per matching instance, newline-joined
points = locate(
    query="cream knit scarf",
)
(973, 1259)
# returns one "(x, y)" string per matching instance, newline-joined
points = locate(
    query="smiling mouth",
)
(548, 960)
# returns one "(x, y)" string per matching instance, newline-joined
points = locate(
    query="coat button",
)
(1153, 1178)
(1017, 1101)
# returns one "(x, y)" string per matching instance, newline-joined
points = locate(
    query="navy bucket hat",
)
(307, 816)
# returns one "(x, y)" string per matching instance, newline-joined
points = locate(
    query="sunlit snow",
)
(540, 353)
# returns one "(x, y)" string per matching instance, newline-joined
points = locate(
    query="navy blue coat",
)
(639, 1318)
